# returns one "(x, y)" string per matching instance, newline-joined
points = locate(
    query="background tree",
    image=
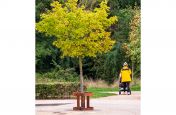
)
(134, 48)
(107, 66)
(79, 32)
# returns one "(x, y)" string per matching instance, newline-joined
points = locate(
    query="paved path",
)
(112, 105)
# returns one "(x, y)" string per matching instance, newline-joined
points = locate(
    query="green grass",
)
(136, 88)
(92, 89)
(101, 92)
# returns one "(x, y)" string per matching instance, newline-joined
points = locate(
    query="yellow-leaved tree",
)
(80, 33)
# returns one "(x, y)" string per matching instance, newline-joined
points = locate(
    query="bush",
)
(58, 74)
(61, 90)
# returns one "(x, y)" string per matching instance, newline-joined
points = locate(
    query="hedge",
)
(61, 90)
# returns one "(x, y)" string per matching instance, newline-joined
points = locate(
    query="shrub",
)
(60, 90)
(58, 74)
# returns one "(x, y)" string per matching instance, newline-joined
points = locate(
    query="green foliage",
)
(79, 32)
(41, 6)
(89, 4)
(116, 5)
(125, 10)
(121, 29)
(107, 66)
(59, 74)
(45, 53)
(58, 90)
(129, 37)
(133, 48)
(135, 38)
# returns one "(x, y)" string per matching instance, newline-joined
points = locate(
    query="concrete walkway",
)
(112, 105)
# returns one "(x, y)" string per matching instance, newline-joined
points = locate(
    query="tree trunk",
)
(81, 75)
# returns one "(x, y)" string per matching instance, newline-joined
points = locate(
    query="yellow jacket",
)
(125, 74)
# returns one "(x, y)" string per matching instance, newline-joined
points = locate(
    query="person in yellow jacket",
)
(125, 78)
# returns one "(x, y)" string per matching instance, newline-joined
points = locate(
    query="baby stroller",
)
(121, 88)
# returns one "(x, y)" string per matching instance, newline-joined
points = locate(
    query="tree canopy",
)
(79, 32)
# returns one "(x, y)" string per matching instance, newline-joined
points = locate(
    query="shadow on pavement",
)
(53, 104)
(60, 113)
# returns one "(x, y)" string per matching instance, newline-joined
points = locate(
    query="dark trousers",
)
(126, 85)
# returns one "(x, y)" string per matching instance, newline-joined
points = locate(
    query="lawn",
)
(101, 92)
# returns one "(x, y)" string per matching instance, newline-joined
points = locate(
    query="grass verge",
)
(101, 92)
